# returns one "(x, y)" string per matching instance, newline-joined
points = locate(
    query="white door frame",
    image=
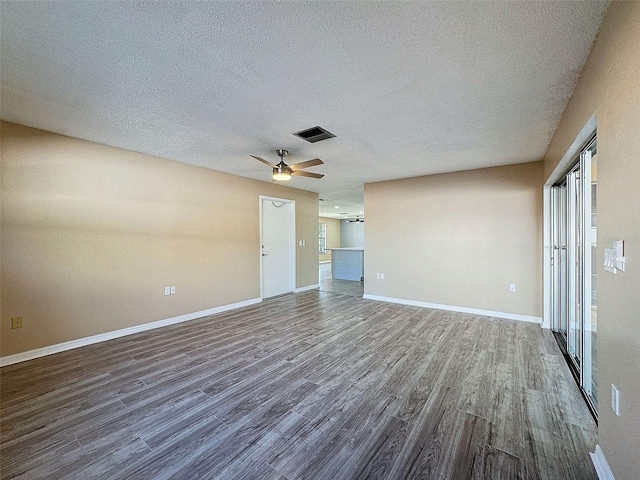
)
(292, 242)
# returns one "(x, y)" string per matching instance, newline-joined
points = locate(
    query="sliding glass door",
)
(559, 260)
(573, 230)
(590, 275)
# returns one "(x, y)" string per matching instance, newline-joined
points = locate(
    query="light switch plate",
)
(615, 399)
(614, 257)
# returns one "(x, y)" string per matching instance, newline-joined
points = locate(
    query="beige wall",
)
(91, 235)
(610, 86)
(333, 236)
(458, 239)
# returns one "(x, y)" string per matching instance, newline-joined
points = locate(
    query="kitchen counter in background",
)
(347, 263)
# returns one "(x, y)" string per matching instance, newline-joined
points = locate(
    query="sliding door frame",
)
(568, 190)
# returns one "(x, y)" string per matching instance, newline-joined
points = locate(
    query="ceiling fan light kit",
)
(283, 172)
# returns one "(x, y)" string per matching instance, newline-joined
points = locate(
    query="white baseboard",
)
(102, 337)
(601, 465)
(546, 324)
(326, 261)
(453, 308)
(308, 287)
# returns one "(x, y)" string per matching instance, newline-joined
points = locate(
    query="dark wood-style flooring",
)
(315, 385)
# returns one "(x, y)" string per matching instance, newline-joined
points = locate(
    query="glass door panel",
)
(559, 259)
(590, 312)
(573, 192)
(573, 257)
(555, 260)
(563, 305)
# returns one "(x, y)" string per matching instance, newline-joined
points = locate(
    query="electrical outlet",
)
(16, 322)
(512, 287)
(381, 276)
(167, 290)
(173, 290)
(377, 276)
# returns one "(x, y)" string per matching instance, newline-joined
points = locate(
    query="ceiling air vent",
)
(313, 135)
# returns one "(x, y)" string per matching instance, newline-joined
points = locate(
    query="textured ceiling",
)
(407, 88)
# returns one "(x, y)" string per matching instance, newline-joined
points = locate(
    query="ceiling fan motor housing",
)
(281, 168)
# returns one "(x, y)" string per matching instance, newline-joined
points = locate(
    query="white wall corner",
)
(103, 337)
(601, 465)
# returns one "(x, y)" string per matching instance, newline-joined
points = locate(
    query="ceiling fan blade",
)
(308, 163)
(266, 162)
(301, 173)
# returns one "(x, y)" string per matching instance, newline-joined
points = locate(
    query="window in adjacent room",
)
(322, 238)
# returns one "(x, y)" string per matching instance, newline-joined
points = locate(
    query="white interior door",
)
(278, 246)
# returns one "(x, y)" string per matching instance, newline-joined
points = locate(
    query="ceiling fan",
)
(283, 172)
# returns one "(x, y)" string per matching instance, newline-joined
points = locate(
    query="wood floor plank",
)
(55, 403)
(500, 465)
(416, 394)
(210, 462)
(422, 453)
(287, 434)
(31, 439)
(30, 455)
(465, 446)
(381, 450)
(167, 457)
(319, 384)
